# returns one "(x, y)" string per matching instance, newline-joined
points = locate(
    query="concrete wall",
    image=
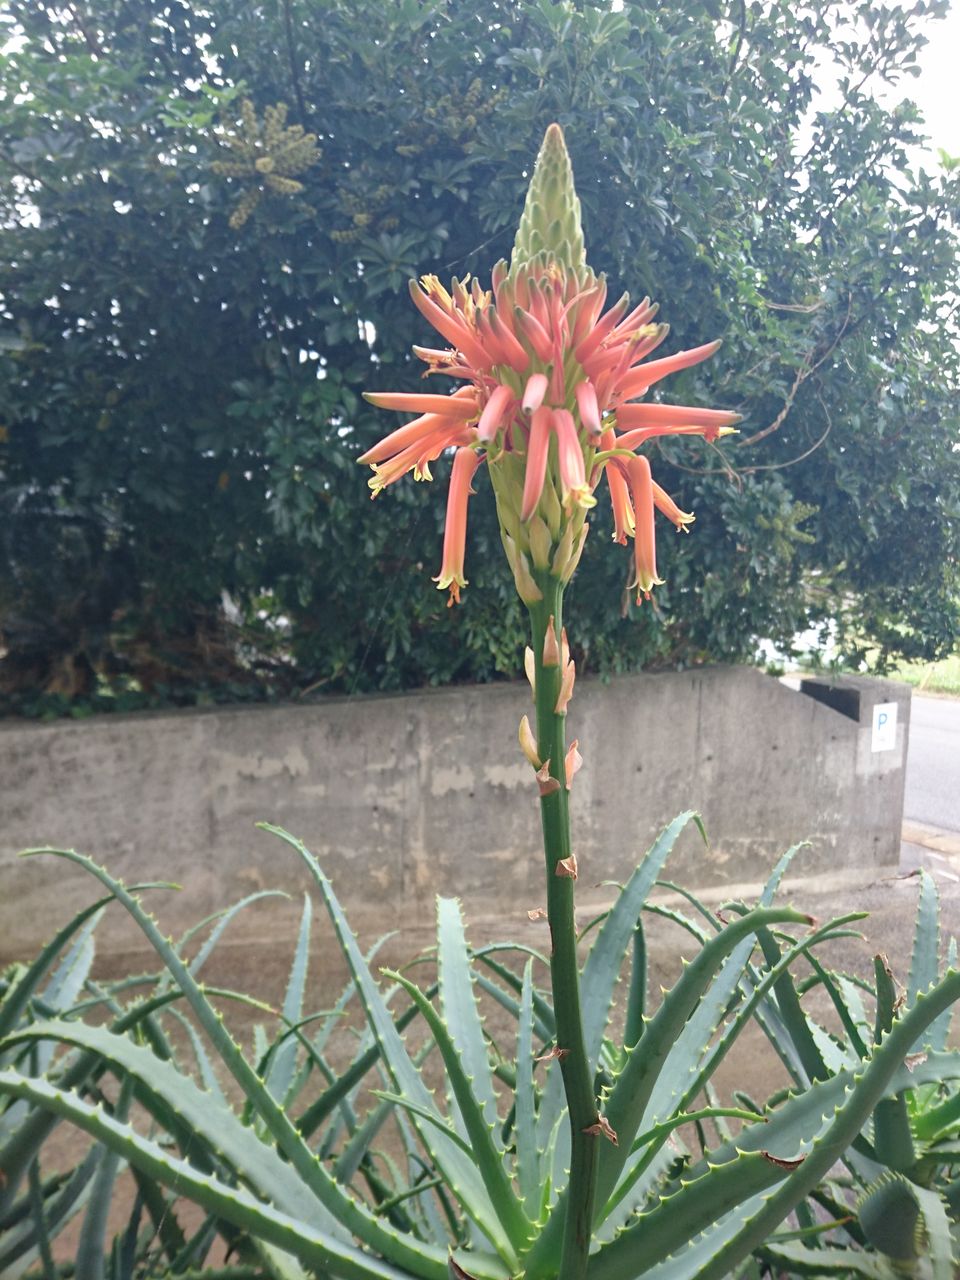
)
(403, 797)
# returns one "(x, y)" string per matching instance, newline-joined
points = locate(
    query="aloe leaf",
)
(938, 1036)
(643, 1175)
(19, 1237)
(676, 1219)
(889, 1214)
(162, 1213)
(804, 1117)
(892, 1137)
(935, 1237)
(460, 1012)
(488, 1157)
(428, 1115)
(870, 1084)
(631, 1092)
(528, 1161)
(280, 1265)
(758, 992)
(924, 961)
(16, 1000)
(208, 1076)
(220, 920)
(43, 1239)
(800, 1260)
(544, 1031)
(197, 1111)
(359, 1144)
(542, 1009)
(677, 917)
(60, 993)
(300, 1237)
(93, 1234)
(940, 1121)
(688, 1066)
(348, 1213)
(845, 1000)
(788, 1004)
(347, 1081)
(460, 1173)
(17, 1153)
(601, 969)
(283, 1065)
(637, 992)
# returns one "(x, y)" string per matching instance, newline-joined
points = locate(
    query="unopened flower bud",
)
(572, 763)
(574, 560)
(530, 667)
(541, 544)
(527, 589)
(528, 743)
(551, 648)
(566, 688)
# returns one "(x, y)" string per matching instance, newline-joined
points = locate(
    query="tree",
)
(195, 291)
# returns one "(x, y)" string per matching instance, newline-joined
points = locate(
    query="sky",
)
(937, 89)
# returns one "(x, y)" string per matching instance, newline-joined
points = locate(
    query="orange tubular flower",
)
(552, 378)
(465, 463)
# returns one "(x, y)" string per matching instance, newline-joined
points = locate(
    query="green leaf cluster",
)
(181, 515)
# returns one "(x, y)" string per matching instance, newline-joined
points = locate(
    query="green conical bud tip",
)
(550, 223)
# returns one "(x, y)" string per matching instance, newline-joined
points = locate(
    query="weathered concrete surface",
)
(404, 797)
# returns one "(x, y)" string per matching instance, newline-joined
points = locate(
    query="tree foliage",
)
(210, 212)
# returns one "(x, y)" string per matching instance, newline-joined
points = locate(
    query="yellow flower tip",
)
(581, 498)
(730, 431)
(645, 588)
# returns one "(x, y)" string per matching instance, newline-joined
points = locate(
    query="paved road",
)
(933, 763)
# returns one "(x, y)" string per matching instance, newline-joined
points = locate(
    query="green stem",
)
(564, 968)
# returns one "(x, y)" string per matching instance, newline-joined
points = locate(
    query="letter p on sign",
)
(884, 736)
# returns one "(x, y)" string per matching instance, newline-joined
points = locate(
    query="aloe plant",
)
(897, 1203)
(484, 1180)
(581, 1150)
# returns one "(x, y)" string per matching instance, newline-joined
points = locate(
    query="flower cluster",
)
(552, 376)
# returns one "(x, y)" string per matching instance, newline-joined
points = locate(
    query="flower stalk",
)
(546, 624)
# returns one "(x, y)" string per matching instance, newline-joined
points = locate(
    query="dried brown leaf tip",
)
(602, 1129)
(781, 1163)
(546, 783)
(455, 1271)
(555, 1052)
(567, 867)
(536, 913)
